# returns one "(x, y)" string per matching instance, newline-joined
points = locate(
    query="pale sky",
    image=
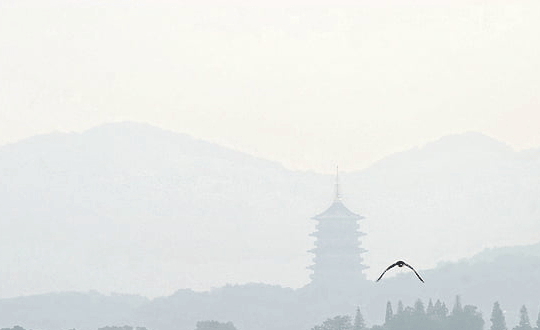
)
(308, 86)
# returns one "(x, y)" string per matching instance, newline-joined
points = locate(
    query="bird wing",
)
(406, 264)
(392, 265)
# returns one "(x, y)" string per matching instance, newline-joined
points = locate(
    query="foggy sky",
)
(308, 86)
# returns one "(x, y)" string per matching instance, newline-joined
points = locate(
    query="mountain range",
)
(510, 275)
(131, 208)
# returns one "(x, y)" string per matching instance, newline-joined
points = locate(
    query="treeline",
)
(433, 317)
(201, 325)
(436, 316)
(214, 325)
(125, 327)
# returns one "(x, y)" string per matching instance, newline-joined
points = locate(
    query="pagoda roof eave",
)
(337, 210)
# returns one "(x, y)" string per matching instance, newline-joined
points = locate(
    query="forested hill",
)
(510, 278)
(510, 275)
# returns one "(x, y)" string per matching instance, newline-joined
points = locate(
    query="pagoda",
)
(338, 260)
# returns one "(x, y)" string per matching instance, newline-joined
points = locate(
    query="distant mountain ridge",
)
(473, 145)
(265, 307)
(492, 254)
(128, 207)
(131, 200)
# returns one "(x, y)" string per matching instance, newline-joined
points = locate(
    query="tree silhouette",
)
(524, 323)
(336, 323)
(419, 308)
(440, 310)
(17, 327)
(359, 323)
(214, 325)
(455, 319)
(497, 318)
(444, 309)
(457, 309)
(405, 321)
(399, 307)
(436, 316)
(125, 327)
(430, 310)
(472, 319)
(465, 318)
(389, 313)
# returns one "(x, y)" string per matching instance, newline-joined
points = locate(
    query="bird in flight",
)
(400, 263)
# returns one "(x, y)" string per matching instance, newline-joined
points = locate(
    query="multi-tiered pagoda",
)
(337, 251)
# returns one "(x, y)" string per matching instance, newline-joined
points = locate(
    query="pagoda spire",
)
(338, 194)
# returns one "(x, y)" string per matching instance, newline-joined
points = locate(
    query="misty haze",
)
(258, 166)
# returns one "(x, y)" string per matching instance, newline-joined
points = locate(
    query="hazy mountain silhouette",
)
(453, 198)
(128, 207)
(67, 310)
(117, 205)
(493, 254)
(132, 208)
(511, 277)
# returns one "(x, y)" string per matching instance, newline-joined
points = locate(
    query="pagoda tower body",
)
(338, 260)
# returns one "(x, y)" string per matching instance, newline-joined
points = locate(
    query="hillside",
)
(120, 204)
(512, 278)
(131, 208)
